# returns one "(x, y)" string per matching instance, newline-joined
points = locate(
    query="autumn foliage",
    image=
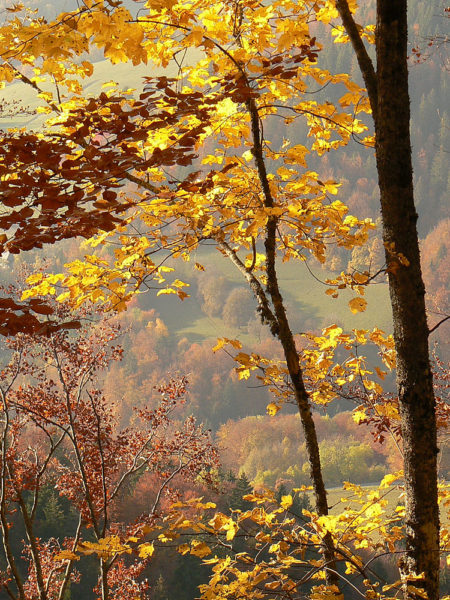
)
(60, 433)
(147, 177)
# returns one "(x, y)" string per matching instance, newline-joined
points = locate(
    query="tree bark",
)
(390, 103)
(302, 398)
(278, 322)
(407, 292)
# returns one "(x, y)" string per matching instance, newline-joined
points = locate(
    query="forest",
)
(224, 314)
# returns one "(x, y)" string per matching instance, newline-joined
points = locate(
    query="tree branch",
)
(3, 520)
(364, 61)
(430, 331)
(263, 304)
(69, 568)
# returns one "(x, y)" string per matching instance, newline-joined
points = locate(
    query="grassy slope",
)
(301, 292)
(104, 71)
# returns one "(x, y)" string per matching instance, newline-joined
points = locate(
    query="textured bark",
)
(279, 326)
(291, 354)
(390, 102)
(282, 329)
(362, 56)
(286, 338)
(407, 292)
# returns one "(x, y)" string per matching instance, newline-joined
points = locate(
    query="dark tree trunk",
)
(407, 292)
(284, 334)
(389, 98)
(273, 312)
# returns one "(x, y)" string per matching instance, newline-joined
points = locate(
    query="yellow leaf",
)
(397, 584)
(388, 409)
(231, 528)
(67, 555)
(146, 550)
(390, 478)
(243, 373)
(35, 278)
(273, 585)
(359, 415)
(332, 187)
(178, 283)
(296, 155)
(333, 331)
(183, 549)
(272, 409)
(286, 502)
(213, 561)
(221, 342)
(200, 549)
(357, 305)
(110, 84)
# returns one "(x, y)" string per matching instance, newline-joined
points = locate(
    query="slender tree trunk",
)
(286, 338)
(389, 98)
(104, 568)
(407, 292)
(272, 309)
(273, 312)
(29, 528)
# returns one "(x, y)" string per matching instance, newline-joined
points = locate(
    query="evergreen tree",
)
(242, 486)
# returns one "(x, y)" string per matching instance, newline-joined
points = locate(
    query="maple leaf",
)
(357, 305)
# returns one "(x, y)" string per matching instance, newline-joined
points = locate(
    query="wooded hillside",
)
(213, 300)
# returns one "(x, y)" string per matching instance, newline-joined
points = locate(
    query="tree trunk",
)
(389, 99)
(284, 333)
(407, 292)
(279, 326)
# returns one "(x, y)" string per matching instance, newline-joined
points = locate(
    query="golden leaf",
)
(272, 409)
(357, 305)
(286, 502)
(200, 549)
(146, 550)
(67, 555)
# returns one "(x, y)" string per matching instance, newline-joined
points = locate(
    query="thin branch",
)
(34, 549)
(75, 445)
(135, 467)
(40, 473)
(255, 285)
(430, 331)
(164, 485)
(70, 565)
(5, 526)
(102, 462)
(252, 266)
(362, 56)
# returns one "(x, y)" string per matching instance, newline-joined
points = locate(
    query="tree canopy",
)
(225, 151)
